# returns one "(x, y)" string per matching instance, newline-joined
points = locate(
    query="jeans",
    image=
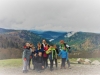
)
(29, 62)
(51, 64)
(25, 64)
(45, 61)
(56, 62)
(63, 62)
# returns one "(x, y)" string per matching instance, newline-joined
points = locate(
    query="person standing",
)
(26, 56)
(64, 56)
(62, 46)
(32, 50)
(45, 56)
(52, 54)
(39, 48)
(55, 57)
(43, 44)
(33, 55)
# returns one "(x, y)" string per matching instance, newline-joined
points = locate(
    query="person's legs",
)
(25, 64)
(64, 60)
(51, 65)
(35, 65)
(68, 62)
(46, 62)
(56, 62)
(61, 63)
(39, 67)
(29, 63)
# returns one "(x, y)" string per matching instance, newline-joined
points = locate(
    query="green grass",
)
(19, 62)
(11, 63)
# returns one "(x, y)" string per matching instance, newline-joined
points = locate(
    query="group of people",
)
(40, 55)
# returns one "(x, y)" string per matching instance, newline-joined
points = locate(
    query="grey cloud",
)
(65, 15)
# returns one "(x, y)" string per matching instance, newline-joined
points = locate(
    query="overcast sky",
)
(58, 15)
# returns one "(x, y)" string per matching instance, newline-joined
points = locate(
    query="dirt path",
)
(76, 70)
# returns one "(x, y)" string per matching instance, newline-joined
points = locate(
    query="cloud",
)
(62, 15)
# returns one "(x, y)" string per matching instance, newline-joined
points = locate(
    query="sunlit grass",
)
(11, 63)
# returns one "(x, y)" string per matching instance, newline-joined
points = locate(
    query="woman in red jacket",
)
(45, 56)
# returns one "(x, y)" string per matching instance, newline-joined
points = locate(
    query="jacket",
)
(40, 50)
(26, 53)
(52, 53)
(44, 54)
(63, 54)
(32, 53)
(39, 59)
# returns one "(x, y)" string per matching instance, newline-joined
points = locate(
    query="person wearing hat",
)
(62, 46)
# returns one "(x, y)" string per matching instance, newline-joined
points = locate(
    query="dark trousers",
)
(63, 62)
(68, 63)
(29, 62)
(39, 66)
(35, 65)
(51, 64)
(45, 61)
(56, 62)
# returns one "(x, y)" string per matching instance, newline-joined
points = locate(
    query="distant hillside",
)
(11, 43)
(81, 41)
(49, 35)
(6, 30)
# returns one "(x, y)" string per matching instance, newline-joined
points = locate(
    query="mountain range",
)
(49, 35)
(83, 44)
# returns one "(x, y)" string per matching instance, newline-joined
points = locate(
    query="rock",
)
(87, 62)
(95, 62)
(80, 60)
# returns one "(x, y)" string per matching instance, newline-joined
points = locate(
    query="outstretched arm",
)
(48, 51)
(60, 53)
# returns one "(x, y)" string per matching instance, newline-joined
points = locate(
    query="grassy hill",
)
(11, 43)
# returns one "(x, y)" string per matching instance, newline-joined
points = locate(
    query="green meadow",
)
(19, 62)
